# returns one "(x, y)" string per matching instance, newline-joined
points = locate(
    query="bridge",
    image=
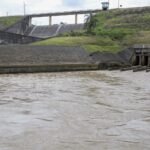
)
(65, 13)
(25, 26)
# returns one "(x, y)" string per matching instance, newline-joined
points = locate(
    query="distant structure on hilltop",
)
(105, 5)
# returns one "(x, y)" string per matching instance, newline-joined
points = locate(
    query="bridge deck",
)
(65, 13)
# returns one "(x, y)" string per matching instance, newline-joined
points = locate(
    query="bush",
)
(115, 34)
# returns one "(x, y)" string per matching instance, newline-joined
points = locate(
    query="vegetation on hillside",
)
(122, 25)
(110, 31)
(90, 43)
(8, 21)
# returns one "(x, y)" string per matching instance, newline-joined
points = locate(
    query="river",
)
(97, 110)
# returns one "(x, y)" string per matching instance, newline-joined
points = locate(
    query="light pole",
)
(24, 8)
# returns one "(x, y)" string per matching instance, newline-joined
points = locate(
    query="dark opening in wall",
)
(137, 61)
(145, 61)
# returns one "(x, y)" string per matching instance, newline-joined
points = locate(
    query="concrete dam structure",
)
(25, 28)
(22, 33)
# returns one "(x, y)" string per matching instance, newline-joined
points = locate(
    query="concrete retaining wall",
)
(48, 68)
(19, 27)
(12, 38)
(30, 59)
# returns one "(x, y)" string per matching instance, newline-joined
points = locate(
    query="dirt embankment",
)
(112, 60)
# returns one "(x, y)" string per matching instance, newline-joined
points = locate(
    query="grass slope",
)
(127, 26)
(90, 43)
(113, 30)
(8, 21)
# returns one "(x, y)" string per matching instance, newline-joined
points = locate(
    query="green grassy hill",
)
(111, 30)
(90, 43)
(8, 21)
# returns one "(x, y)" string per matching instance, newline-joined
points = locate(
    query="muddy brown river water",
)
(75, 111)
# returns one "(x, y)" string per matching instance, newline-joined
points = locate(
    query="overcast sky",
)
(13, 7)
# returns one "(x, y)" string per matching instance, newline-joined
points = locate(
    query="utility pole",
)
(24, 8)
(118, 3)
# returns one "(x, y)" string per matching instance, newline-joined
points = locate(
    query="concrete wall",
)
(20, 27)
(48, 68)
(12, 38)
(42, 55)
(30, 59)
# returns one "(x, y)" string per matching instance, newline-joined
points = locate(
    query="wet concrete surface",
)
(75, 111)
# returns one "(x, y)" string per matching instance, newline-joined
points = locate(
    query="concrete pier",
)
(50, 20)
(76, 18)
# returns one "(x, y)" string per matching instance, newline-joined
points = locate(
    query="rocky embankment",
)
(107, 60)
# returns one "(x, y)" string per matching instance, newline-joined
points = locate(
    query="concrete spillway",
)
(43, 31)
(54, 30)
(33, 33)
(24, 27)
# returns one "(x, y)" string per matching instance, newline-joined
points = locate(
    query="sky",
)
(15, 7)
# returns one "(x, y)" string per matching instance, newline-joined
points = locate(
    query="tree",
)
(90, 23)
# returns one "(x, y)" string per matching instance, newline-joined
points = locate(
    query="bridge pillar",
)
(50, 20)
(30, 21)
(76, 18)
